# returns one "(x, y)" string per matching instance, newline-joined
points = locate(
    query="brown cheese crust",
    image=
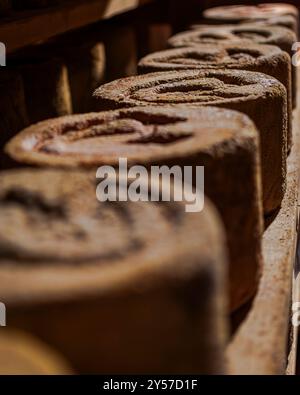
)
(254, 94)
(137, 277)
(223, 141)
(238, 13)
(245, 33)
(265, 59)
(250, 32)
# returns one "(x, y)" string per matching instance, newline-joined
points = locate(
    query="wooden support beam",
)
(260, 345)
(28, 28)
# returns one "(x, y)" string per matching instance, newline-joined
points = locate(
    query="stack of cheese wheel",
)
(254, 94)
(224, 142)
(266, 59)
(141, 286)
(267, 35)
(276, 14)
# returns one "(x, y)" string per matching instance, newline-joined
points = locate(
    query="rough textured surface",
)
(253, 57)
(223, 141)
(260, 345)
(252, 93)
(286, 21)
(151, 299)
(22, 354)
(229, 55)
(280, 14)
(245, 33)
(250, 32)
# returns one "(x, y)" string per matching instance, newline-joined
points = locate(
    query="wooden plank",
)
(260, 344)
(32, 27)
(292, 360)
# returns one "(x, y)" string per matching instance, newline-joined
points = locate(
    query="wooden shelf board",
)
(28, 28)
(260, 344)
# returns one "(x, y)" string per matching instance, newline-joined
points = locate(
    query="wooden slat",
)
(292, 362)
(260, 344)
(32, 27)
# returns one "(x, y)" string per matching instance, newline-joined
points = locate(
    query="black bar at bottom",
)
(95, 384)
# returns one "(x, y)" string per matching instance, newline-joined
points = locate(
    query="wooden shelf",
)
(260, 344)
(26, 28)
